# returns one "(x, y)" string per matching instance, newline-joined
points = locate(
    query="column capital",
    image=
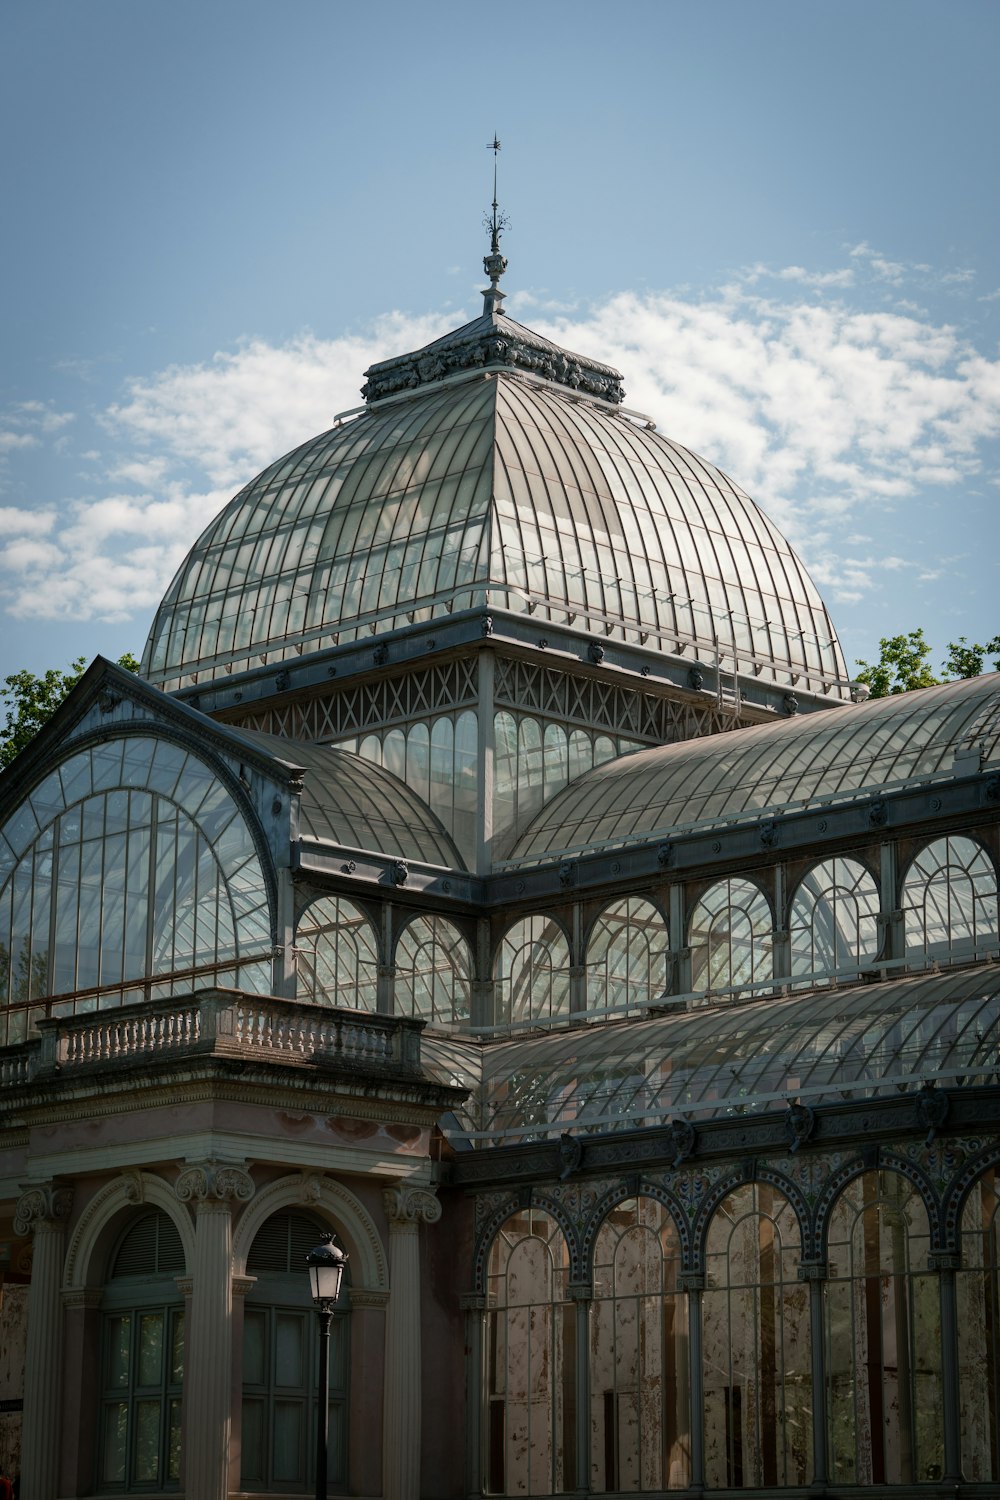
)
(944, 1260)
(406, 1206)
(207, 1182)
(813, 1270)
(41, 1203)
(473, 1301)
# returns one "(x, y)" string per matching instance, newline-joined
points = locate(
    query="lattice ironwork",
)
(368, 705)
(605, 705)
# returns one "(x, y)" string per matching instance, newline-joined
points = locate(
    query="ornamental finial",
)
(494, 264)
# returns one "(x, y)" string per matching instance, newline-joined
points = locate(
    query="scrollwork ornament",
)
(42, 1203)
(219, 1182)
(405, 1205)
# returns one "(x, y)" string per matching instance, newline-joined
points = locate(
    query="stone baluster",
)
(213, 1187)
(42, 1211)
(405, 1208)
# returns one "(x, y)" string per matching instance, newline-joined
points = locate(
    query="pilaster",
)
(42, 1211)
(405, 1208)
(212, 1187)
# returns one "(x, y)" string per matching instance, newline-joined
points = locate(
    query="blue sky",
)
(780, 220)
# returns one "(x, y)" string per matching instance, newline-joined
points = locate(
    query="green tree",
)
(964, 660)
(31, 700)
(903, 665)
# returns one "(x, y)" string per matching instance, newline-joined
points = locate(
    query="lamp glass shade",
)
(326, 1271)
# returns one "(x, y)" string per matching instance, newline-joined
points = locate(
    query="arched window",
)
(336, 958)
(640, 1422)
(433, 972)
(280, 1364)
(129, 872)
(626, 956)
(978, 1289)
(833, 924)
(730, 937)
(950, 899)
(530, 1407)
(142, 1364)
(758, 1383)
(532, 971)
(883, 1334)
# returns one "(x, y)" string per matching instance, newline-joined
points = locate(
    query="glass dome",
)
(496, 488)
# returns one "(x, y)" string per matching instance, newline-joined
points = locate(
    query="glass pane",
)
(288, 1461)
(119, 1336)
(253, 1348)
(150, 1349)
(115, 1429)
(177, 1350)
(147, 1441)
(252, 1450)
(288, 1350)
(174, 1439)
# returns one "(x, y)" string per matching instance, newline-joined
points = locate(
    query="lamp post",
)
(326, 1272)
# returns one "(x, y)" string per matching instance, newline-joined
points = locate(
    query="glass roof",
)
(744, 772)
(352, 802)
(498, 488)
(820, 1047)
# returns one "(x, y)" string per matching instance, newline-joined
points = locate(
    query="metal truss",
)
(369, 705)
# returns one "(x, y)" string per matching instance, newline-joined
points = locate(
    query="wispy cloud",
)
(824, 409)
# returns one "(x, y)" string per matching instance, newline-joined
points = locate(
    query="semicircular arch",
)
(329, 1200)
(101, 1220)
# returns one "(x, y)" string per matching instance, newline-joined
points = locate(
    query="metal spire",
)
(494, 264)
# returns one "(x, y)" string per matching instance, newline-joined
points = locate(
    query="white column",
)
(405, 1208)
(213, 1187)
(42, 1210)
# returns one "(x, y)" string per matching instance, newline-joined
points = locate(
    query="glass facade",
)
(438, 759)
(627, 957)
(816, 758)
(530, 1415)
(336, 956)
(531, 972)
(730, 938)
(950, 900)
(640, 1419)
(883, 1337)
(433, 972)
(833, 925)
(127, 872)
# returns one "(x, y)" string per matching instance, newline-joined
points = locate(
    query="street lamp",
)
(326, 1272)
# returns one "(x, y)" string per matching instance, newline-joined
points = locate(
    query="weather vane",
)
(494, 264)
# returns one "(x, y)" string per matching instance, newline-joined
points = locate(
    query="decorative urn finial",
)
(494, 264)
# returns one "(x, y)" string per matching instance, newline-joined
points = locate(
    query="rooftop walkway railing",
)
(216, 1023)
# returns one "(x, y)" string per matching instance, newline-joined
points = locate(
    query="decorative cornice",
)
(361, 1298)
(42, 1203)
(215, 1182)
(489, 343)
(406, 1206)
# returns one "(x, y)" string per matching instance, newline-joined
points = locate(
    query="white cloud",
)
(12, 440)
(17, 522)
(821, 410)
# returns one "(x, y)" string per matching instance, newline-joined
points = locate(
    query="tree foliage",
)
(31, 700)
(903, 663)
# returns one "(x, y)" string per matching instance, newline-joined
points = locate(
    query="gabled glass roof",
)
(356, 804)
(744, 772)
(821, 1047)
(495, 490)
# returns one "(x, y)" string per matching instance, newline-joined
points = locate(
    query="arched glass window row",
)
(531, 971)
(336, 956)
(627, 957)
(833, 921)
(950, 901)
(730, 937)
(433, 977)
